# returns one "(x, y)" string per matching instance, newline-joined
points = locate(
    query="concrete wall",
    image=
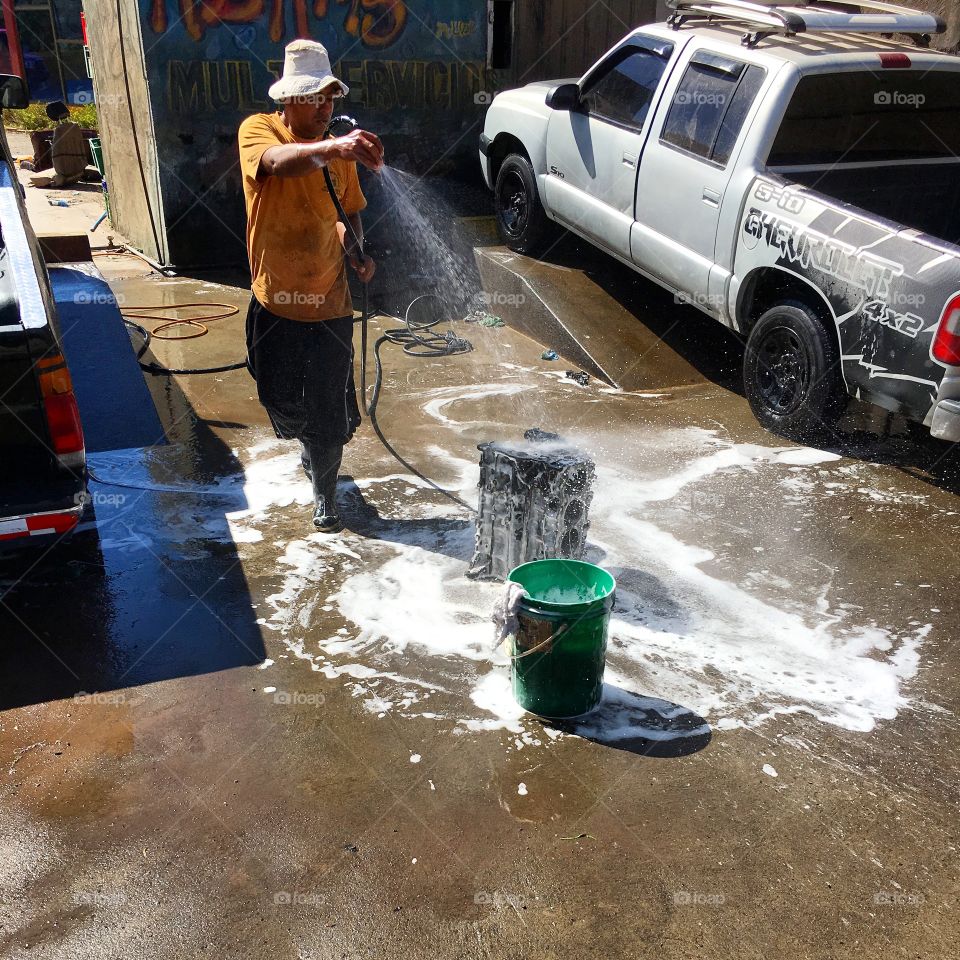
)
(119, 93)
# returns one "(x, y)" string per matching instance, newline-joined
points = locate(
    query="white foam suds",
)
(689, 651)
(445, 396)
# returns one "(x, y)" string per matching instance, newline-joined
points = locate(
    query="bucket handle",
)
(553, 636)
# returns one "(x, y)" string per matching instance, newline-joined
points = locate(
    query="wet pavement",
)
(223, 734)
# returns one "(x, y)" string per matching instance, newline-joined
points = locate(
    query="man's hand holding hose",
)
(363, 147)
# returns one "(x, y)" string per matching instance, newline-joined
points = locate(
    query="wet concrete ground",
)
(224, 735)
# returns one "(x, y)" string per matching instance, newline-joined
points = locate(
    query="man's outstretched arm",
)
(301, 159)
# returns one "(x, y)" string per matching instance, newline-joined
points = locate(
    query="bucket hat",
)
(306, 70)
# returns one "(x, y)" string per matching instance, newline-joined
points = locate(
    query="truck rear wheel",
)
(521, 220)
(791, 372)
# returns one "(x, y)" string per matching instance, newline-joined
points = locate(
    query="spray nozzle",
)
(342, 125)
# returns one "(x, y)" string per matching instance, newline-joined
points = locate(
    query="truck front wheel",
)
(791, 372)
(521, 220)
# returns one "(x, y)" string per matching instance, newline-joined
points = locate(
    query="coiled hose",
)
(417, 341)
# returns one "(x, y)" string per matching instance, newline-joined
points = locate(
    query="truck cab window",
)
(623, 92)
(710, 106)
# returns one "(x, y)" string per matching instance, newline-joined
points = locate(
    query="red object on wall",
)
(13, 40)
(83, 28)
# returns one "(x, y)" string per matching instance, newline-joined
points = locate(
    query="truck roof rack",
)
(801, 16)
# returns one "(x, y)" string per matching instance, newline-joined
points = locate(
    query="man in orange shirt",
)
(300, 321)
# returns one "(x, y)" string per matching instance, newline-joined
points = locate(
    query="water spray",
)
(416, 337)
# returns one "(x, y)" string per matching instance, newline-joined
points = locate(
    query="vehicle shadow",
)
(873, 436)
(713, 349)
(149, 588)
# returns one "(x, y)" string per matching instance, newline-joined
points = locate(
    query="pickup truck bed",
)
(919, 196)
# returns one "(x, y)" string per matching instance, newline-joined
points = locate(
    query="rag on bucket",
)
(505, 613)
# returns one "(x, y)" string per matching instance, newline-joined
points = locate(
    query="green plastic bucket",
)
(559, 651)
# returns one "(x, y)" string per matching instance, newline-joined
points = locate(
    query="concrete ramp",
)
(599, 316)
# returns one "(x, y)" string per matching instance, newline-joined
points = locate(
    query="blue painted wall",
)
(415, 68)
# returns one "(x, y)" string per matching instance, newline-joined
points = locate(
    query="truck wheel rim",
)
(514, 204)
(783, 373)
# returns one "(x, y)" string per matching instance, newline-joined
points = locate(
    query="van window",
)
(710, 106)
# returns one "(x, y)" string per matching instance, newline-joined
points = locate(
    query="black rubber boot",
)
(324, 465)
(305, 460)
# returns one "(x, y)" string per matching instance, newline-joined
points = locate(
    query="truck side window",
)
(710, 106)
(624, 92)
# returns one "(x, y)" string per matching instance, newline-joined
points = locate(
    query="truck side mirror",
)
(564, 97)
(14, 94)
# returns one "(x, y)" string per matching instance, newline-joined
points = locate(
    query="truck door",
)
(686, 166)
(593, 151)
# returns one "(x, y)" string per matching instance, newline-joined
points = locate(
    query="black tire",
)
(521, 220)
(791, 373)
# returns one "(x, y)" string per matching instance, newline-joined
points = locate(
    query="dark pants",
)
(304, 375)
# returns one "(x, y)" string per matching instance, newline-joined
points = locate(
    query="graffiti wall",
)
(416, 69)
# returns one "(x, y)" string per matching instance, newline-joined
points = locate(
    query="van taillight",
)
(60, 406)
(946, 344)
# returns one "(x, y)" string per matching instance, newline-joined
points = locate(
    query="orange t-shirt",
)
(297, 261)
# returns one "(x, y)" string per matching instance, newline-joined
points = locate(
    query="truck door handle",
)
(711, 196)
(630, 159)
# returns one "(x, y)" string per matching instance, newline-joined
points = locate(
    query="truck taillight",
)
(895, 61)
(60, 407)
(946, 344)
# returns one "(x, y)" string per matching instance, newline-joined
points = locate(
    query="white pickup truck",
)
(790, 170)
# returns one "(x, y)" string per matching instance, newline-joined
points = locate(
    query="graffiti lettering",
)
(452, 29)
(808, 249)
(198, 86)
(430, 84)
(376, 23)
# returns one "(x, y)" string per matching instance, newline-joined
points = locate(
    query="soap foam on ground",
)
(707, 646)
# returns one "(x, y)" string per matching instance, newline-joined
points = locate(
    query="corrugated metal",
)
(561, 38)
